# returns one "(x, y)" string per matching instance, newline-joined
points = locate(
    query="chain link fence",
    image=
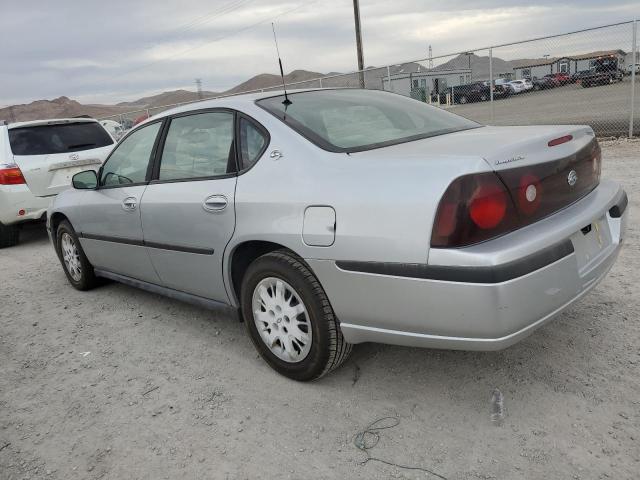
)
(582, 77)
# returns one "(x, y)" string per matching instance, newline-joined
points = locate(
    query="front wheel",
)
(289, 318)
(74, 262)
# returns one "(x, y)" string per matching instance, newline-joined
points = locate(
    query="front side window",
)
(58, 138)
(252, 143)
(198, 146)
(351, 120)
(129, 161)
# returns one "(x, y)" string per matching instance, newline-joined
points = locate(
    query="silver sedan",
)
(334, 217)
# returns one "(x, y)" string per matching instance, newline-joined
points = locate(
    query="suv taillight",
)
(473, 209)
(10, 174)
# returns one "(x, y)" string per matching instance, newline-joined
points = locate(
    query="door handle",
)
(129, 204)
(215, 203)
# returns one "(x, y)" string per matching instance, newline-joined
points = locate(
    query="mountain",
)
(62, 107)
(65, 107)
(166, 98)
(265, 80)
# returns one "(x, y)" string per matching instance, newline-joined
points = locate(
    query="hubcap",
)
(282, 320)
(71, 257)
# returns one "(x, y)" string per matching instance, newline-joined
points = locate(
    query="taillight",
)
(473, 209)
(488, 206)
(11, 175)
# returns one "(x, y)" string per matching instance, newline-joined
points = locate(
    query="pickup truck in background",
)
(603, 72)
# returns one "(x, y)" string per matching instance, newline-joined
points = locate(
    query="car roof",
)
(51, 121)
(229, 101)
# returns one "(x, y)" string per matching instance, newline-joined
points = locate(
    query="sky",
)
(110, 51)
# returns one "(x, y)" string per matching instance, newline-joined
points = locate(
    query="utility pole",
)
(199, 88)
(356, 14)
(430, 57)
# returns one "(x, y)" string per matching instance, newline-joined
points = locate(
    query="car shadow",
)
(32, 234)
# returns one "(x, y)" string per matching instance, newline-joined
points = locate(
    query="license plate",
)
(62, 177)
(592, 242)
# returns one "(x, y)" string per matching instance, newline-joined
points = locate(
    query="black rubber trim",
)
(618, 209)
(493, 274)
(105, 238)
(142, 243)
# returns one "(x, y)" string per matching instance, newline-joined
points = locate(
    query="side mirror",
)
(87, 180)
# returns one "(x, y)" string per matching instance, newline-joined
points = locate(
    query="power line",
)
(203, 19)
(235, 32)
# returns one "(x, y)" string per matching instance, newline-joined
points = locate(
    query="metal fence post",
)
(389, 78)
(320, 82)
(634, 50)
(491, 85)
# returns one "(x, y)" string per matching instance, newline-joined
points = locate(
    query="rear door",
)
(109, 222)
(188, 210)
(49, 154)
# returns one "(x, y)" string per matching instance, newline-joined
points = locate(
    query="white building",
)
(423, 83)
(570, 64)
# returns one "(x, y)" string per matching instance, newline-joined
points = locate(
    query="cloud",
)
(121, 50)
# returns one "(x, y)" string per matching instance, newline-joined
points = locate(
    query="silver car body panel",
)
(384, 202)
(174, 215)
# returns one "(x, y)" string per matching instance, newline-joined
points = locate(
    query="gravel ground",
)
(118, 383)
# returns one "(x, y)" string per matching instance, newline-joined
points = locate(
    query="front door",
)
(109, 222)
(188, 213)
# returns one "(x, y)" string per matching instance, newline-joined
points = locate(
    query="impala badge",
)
(572, 178)
(509, 160)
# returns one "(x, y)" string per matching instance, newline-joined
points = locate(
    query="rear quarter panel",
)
(384, 199)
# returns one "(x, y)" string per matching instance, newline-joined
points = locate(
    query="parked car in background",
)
(560, 78)
(474, 92)
(114, 128)
(544, 83)
(633, 67)
(480, 234)
(38, 160)
(518, 86)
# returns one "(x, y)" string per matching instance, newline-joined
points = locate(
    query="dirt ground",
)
(117, 383)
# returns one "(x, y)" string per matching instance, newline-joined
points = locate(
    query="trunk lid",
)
(49, 153)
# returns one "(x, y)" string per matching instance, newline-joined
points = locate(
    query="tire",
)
(319, 346)
(483, 98)
(74, 262)
(463, 99)
(9, 235)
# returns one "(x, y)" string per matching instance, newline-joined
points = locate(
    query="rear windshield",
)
(356, 120)
(59, 138)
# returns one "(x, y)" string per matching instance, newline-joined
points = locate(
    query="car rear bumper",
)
(495, 305)
(18, 204)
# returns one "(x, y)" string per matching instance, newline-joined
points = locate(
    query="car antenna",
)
(286, 101)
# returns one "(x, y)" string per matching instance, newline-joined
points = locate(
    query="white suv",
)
(37, 161)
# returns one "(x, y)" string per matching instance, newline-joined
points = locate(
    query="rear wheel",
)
(74, 262)
(9, 235)
(463, 99)
(289, 318)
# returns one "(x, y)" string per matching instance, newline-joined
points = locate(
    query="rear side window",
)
(59, 138)
(252, 143)
(198, 146)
